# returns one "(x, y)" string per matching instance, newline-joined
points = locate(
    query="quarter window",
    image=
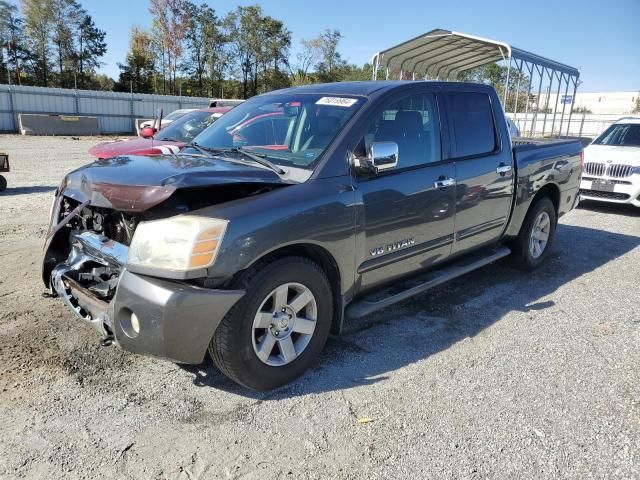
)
(473, 124)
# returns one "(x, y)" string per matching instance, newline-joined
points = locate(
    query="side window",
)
(473, 125)
(413, 124)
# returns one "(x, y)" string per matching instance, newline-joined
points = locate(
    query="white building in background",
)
(619, 103)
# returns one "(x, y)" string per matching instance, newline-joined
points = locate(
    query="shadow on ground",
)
(411, 331)
(26, 190)
(611, 208)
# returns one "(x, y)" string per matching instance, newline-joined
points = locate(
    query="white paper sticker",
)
(337, 101)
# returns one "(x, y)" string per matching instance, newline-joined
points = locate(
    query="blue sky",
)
(601, 38)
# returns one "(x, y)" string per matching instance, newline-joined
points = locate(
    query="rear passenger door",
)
(408, 211)
(484, 169)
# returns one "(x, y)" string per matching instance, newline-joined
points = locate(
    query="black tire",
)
(522, 256)
(3, 183)
(232, 346)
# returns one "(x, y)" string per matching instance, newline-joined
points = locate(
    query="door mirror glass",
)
(382, 156)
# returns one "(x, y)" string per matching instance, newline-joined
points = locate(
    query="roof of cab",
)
(628, 120)
(364, 88)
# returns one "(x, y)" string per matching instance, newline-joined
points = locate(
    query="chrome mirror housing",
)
(382, 156)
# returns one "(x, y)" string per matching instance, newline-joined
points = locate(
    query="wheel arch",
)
(551, 191)
(522, 208)
(325, 260)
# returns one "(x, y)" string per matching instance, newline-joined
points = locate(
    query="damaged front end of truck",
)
(95, 214)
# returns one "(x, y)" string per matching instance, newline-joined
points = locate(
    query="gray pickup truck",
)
(296, 210)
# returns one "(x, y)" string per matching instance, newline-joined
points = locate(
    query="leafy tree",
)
(137, 74)
(65, 16)
(39, 24)
(636, 109)
(91, 47)
(203, 38)
(12, 41)
(170, 20)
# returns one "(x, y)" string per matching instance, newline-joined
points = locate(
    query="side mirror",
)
(148, 132)
(382, 156)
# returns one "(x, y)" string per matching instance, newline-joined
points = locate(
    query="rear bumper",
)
(625, 191)
(173, 319)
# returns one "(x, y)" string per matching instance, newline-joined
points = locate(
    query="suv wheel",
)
(281, 324)
(536, 235)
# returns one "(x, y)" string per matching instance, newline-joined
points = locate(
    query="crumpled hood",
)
(136, 183)
(604, 153)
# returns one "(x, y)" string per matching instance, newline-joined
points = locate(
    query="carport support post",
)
(564, 106)
(526, 105)
(573, 99)
(535, 114)
(546, 103)
(555, 109)
(506, 84)
(515, 106)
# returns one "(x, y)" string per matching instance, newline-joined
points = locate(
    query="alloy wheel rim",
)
(539, 237)
(284, 324)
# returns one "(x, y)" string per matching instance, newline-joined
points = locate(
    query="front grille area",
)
(608, 195)
(615, 170)
(619, 171)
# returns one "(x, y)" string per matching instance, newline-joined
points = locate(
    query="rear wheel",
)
(536, 235)
(281, 324)
(3, 183)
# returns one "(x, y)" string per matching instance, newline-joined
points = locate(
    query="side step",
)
(421, 283)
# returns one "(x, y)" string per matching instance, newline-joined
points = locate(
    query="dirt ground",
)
(498, 374)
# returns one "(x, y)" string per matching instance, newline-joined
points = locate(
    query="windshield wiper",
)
(259, 158)
(207, 152)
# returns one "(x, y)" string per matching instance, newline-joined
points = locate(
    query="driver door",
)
(409, 210)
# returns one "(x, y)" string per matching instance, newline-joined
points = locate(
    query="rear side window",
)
(473, 126)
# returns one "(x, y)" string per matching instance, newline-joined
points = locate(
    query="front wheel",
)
(534, 242)
(276, 330)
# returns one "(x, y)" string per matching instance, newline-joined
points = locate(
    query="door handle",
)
(503, 169)
(443, 182)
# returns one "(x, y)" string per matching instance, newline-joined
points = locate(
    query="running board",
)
(421, 283)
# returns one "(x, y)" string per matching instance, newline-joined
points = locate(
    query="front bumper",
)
(174, 319)
(623, 190)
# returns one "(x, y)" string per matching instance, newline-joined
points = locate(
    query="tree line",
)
(51, 43)
(189, 50)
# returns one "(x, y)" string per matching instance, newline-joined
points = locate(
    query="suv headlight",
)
(181, 243)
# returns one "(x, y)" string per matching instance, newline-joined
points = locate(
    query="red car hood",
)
(134, 146)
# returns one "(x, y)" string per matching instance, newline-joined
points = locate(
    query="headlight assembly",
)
(181, 243)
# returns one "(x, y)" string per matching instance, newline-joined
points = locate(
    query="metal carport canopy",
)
(441, 54)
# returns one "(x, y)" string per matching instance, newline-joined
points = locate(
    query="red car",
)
(168, 140)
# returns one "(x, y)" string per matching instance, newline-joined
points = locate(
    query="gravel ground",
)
(498, 374)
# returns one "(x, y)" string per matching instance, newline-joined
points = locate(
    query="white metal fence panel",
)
(116, 111)
(581, 124)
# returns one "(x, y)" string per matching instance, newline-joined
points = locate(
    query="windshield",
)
(187, 127)
(289, 130)
(176, 114)
(620, 134)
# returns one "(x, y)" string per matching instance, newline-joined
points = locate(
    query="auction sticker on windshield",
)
(337, 101)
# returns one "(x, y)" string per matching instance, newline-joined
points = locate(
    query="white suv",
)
(612, 164)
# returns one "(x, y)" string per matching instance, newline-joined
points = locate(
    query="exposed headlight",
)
(181, 243)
